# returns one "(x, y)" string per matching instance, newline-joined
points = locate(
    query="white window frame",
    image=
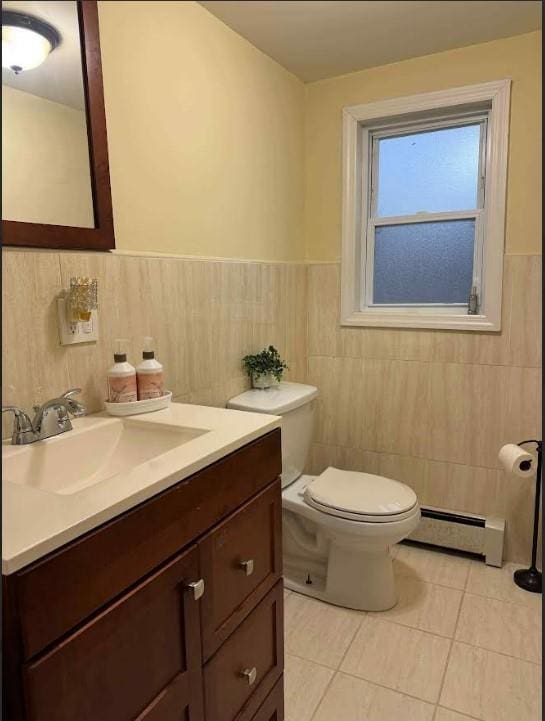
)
(488, 102)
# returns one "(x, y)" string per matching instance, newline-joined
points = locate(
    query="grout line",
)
(323, 695)
(412, 628)
(386, 688)
(468, 575)
(304, 658)
(463, 715)
(431, 583)
(519, 604)
(498, 653)
(453, 637)
(349, 645)
(377, 615)
(396, 359)
(502, 600)
(338, 671)
(418, 458)
(449, 651)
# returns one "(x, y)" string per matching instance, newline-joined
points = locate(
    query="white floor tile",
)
(403, 659)
(444, 569)
(508, 628)
(353, 699)
(425, 606)
(490, 686)
(498, 583)
(304, 685)
(318, 631)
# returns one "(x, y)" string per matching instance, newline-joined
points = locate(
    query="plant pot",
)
(263, 380)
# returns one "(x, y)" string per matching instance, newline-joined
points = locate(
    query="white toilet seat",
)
(362, 497)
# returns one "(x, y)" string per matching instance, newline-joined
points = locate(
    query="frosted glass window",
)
(433, 171)
(424, 262)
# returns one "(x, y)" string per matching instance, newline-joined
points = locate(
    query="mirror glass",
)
(46, 175)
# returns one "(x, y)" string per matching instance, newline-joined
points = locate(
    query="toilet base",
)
(337, 560)
(363, 582)
(360, 579)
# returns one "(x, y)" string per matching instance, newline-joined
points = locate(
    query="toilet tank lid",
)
(276, 400)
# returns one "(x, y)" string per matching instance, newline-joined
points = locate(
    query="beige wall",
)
(45, 161)
(205, 136)
(518, 58)
(432, 408)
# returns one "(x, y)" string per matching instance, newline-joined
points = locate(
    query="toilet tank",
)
(295, 403)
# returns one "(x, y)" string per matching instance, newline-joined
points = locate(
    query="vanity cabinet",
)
(171, 611)
(139, 658)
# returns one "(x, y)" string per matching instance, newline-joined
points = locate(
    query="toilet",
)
(338, 527)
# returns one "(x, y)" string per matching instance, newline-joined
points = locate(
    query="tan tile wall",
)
(432, 408)
(204, 316)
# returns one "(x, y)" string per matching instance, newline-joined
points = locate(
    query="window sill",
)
(420, 319)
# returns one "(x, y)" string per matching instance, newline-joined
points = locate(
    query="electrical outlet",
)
(80, 332)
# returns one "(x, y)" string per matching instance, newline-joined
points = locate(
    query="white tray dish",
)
(146, 406)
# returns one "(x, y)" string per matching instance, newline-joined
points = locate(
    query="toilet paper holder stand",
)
(530, 578)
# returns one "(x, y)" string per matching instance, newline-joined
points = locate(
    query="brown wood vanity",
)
(172, 611)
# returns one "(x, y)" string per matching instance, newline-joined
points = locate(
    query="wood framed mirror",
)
(55, 172)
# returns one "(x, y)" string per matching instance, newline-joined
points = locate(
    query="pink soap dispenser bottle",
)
(121, 377)
(149, 373)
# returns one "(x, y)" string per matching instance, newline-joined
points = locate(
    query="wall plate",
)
(80, 332)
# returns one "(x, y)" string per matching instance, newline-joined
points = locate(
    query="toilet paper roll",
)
(516, 460)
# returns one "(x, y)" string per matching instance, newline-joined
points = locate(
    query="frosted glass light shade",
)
(23, 49)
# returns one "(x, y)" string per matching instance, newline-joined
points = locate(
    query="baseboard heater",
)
(463, 532)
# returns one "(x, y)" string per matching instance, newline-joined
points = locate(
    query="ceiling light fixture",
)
(26, 41)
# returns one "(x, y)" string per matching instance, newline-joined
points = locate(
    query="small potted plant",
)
(265, 368)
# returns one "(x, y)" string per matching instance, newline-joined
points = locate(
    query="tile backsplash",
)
(429, 408)
(203, 315)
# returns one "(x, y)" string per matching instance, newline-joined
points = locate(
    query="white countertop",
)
(36, 522)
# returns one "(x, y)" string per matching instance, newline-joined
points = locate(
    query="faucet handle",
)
(23, 431)
(71, 393)
(22, 421)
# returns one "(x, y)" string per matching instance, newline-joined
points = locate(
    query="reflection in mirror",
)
(45, 153)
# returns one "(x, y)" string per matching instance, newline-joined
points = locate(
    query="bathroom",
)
(206, 174)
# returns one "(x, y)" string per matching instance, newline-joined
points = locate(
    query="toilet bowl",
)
(339, 526)
(350, 550)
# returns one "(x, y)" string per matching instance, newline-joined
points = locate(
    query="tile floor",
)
(462, 643)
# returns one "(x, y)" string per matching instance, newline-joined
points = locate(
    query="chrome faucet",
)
(50, 419)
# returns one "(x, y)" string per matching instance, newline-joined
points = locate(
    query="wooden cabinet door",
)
(239, 677)
(138, 660)
(240, 560)
(273, 706)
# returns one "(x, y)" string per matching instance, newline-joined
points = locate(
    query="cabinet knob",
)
(247, 566)
(250, 674)
(196, 588)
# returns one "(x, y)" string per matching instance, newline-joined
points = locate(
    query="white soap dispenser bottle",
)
(121, 377)
(149, 373)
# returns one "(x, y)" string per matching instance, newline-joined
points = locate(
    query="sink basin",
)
(95, 451)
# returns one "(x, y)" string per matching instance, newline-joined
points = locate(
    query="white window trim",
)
(494, 97)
